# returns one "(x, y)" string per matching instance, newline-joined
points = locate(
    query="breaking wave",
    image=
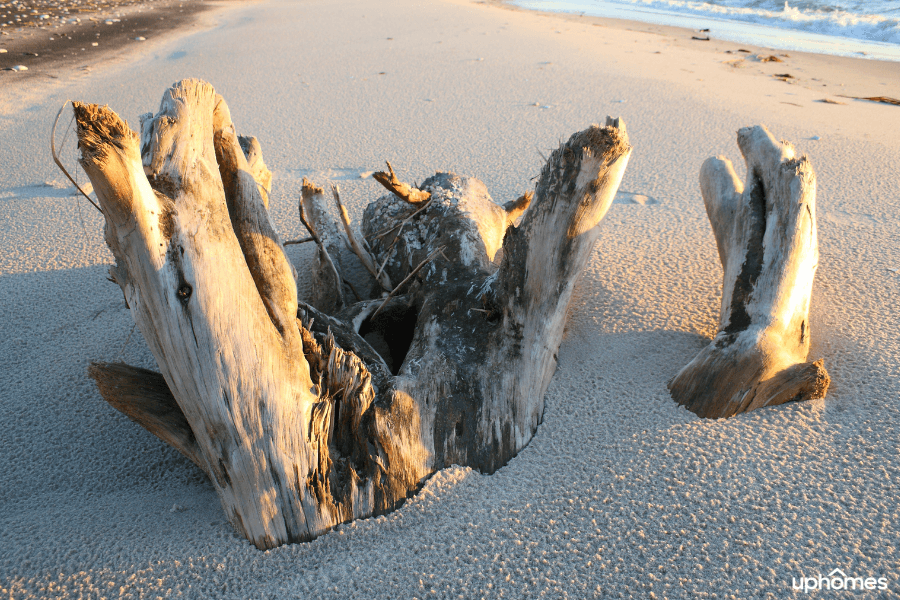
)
(876, 21)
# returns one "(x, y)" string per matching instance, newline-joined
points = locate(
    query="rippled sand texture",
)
(621, 493)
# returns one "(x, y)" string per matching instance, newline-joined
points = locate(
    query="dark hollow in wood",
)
(310, 412)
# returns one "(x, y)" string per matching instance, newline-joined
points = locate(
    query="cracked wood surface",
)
(765, 233)
(307, 415)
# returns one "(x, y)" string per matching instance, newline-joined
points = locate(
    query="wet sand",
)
(81, 34)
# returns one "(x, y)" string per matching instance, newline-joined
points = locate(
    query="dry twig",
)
(402, 190)
(408, 277)
(364, 257)
(300, 241)
(59, 162)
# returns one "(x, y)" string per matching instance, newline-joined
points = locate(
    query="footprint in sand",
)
(634, 198)
(47, 189)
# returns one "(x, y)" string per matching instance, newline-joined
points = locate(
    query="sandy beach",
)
(621, 493)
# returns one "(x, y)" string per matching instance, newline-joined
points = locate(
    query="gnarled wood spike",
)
(542, 260)
(328, 287)
(245, 393)
(766, 238)
(402, 190)
(261, 173)
(272, 272)
(558, 231)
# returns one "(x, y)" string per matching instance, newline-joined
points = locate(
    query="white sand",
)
(621, 493)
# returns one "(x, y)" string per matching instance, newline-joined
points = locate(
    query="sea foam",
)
(840, 27)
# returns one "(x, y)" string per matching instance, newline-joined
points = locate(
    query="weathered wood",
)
(400, 189)
(257, 166)
(144, 397)
(328, 282)
(343, 412)
(484, 347)
(766, 237)
(242, 384)
(359, 248)
(272, 273)
(516, 208)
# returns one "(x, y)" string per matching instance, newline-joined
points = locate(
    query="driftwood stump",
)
(309, 414)
(766, 235)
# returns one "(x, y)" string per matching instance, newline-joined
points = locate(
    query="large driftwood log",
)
(766, 236)
(305, 419)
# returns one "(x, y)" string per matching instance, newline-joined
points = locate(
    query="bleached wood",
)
(307, 422)
(359, 248)
(246, 201)
(766, 237)
(257, 166)
(328, 286)
(246, 395)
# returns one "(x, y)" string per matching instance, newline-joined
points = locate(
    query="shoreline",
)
(843, 67)
(775, 33)
(621, 492)
(820, 82)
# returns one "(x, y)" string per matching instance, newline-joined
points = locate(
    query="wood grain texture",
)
(310, 412)
(242, 384)
(766, 238)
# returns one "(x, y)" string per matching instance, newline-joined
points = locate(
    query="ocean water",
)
(862, 28)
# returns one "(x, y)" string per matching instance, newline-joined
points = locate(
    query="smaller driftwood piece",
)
(434, 348)
(765, 231)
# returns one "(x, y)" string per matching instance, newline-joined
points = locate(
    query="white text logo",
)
(838, 580)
